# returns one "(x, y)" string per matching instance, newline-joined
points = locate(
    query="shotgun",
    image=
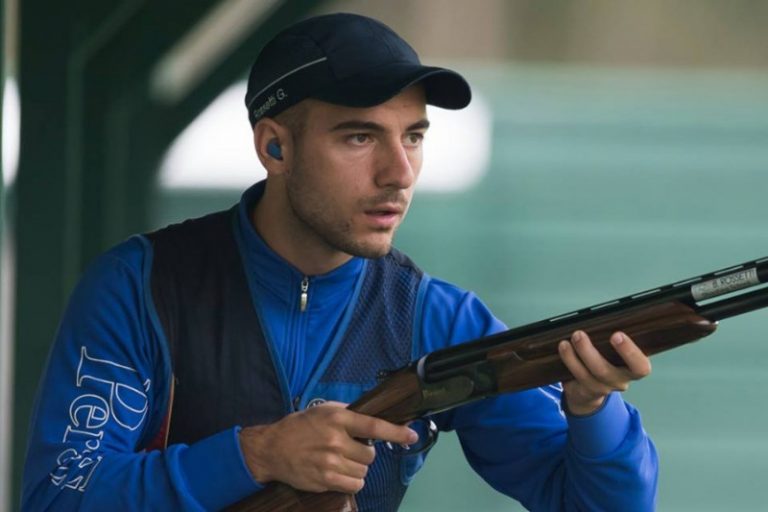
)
(527, 357)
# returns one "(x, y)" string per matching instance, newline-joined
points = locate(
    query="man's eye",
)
(359, 138)
(414, 139)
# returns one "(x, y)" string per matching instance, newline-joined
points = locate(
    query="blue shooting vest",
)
(223, 366)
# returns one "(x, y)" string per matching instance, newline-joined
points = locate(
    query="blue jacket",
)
(105, 394)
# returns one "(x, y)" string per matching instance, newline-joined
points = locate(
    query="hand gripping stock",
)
(527, 357)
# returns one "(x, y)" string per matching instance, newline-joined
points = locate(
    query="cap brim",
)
(443, 87)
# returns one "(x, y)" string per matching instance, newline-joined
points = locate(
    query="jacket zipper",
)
(304, 294)
(303, 299)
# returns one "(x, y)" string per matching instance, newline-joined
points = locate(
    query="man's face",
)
(353, 172)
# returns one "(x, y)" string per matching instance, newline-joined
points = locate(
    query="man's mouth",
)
(384, 216)
(386, 209)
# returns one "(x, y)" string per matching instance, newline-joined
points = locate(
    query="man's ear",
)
(272, 143)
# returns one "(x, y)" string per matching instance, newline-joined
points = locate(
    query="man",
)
(212, 340)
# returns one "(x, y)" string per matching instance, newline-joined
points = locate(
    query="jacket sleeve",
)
(524, 444)
(103, 396)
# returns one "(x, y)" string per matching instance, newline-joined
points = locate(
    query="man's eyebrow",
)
(419, 125)
(375, 127)
(358, 125)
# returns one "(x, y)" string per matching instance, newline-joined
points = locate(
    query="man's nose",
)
(395, 167)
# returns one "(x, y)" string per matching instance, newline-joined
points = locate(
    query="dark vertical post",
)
(4, 440)
(47, 202)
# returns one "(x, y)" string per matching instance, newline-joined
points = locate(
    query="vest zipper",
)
(304, 290)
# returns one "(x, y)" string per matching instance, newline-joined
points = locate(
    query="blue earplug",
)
(273, 150)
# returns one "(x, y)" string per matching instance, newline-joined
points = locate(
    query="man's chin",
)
(374, 253)
(372, 250)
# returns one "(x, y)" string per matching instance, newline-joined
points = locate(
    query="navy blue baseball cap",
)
(345, 59)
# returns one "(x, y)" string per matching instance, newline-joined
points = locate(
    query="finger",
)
(638, 364)
(356, 470)
(368, 427)
(359, 452)
(600, 368)
(331, 403)
(346, 467)
(574, 364)
(343, 483)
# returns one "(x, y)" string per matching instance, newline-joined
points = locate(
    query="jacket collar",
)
(277, 275)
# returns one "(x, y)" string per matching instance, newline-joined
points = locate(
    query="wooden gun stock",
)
(527, 357)
(280, 497)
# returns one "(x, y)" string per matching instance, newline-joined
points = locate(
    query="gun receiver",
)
(527, 357)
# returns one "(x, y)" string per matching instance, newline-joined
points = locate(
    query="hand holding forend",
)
(594, 377)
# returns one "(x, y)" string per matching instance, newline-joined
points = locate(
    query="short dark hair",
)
(295, 118)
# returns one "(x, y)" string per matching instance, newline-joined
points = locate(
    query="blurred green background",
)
(628, 149)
